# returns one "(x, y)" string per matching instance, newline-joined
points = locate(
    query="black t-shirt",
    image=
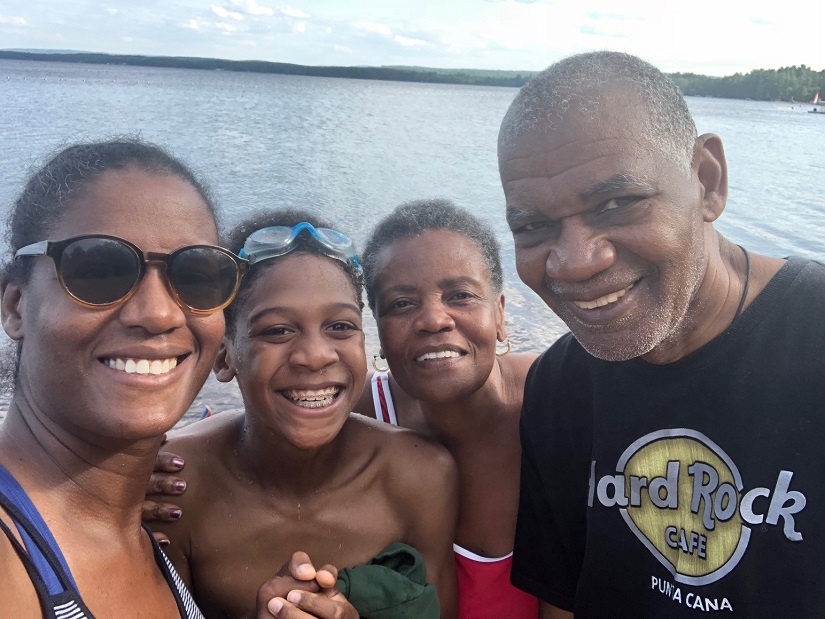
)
(688, 488)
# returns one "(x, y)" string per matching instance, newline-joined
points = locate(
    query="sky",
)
(714, 37)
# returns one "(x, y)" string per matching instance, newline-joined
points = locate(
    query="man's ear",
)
(712, 171)
(11, 309)
(224, 366)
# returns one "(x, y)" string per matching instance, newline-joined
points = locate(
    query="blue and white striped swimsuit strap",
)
(47, 568)
(55, 586)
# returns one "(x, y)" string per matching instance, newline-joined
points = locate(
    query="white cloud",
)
(251, 7)
(503, 34)
(290, 12)
(222, 12)
(202, 25)
(15, 20)
(408, 42)
(128, 39)
(373, 27)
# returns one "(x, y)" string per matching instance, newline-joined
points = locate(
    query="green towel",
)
(392, 585)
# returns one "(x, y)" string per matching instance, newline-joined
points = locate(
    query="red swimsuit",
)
(484, 589)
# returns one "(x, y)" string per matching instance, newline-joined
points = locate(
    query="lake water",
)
(352, 150)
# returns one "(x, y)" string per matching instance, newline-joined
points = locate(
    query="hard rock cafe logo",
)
(684, 499)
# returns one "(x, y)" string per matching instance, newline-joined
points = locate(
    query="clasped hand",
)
(299, 591)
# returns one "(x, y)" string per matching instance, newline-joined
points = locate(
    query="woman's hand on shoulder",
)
(163, 483)
(300, 591)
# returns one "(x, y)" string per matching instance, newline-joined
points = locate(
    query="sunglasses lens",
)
(204, 278)
(99, 271)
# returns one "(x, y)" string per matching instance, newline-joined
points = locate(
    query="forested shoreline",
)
(798, 83)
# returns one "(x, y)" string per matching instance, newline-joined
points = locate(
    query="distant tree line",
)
(787, 84)
(465, 76)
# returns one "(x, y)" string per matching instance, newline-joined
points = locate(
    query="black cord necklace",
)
(747, 282)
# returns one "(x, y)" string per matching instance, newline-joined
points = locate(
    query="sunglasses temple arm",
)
(35, 249)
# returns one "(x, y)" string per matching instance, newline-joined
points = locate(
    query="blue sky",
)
(716, 37)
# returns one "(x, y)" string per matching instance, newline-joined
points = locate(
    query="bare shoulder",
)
(388, 438)
(217, 431)
(206, 447)
(408, 457)
(514, 370)
(517, 365)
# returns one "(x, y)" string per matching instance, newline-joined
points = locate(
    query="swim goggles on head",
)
(100, 271)
(278, 241)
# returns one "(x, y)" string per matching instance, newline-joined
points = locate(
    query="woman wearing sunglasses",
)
(113, 296)
(295, 471)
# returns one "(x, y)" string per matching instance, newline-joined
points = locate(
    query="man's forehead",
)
(594, 156)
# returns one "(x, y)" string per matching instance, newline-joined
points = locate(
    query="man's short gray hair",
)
(583, 82)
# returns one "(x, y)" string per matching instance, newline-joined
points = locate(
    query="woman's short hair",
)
(412, 219)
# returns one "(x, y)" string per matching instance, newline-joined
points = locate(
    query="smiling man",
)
(673, 441)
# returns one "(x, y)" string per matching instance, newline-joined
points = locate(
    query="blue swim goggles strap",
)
(278, 241)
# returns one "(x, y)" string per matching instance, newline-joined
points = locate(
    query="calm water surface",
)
(351, 150)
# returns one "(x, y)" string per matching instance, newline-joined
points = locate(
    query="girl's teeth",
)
(312, 398)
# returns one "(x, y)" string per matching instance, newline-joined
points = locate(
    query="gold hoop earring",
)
(375, 364)
(501, 353)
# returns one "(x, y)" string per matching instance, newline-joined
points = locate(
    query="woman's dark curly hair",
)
(52, 189)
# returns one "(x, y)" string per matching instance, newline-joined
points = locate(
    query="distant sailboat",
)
(816, 101)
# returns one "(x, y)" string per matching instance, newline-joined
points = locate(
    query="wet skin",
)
(602, 218)
(81, 436)
(300, 334)
(297, 471)
(435, 294)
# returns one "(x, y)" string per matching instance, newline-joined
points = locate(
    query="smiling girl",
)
(296, 471)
